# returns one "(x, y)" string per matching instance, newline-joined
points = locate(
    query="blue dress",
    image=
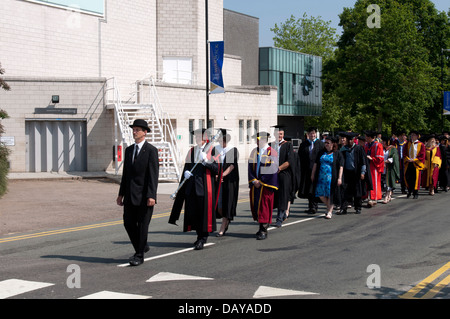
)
(324, 177)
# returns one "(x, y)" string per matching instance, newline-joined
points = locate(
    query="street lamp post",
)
(207, 63)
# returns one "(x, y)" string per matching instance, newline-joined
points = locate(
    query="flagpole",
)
(207, 64)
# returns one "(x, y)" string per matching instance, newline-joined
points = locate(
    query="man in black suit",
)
(307, 154)
(137, 193)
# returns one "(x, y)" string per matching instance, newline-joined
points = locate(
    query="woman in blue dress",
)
(327, 175)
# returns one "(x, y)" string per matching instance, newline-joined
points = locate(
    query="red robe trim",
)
(376, 168)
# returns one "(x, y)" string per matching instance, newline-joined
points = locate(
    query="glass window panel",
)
(93, 6)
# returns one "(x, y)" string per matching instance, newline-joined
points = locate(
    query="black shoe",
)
(199, 245)
(147, 249)
(261, 236)
(416, 196)
(342, 212)
(136, 260)
(409, 195)
(358, 211)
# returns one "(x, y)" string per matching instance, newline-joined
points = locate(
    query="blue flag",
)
(447, 103)
(216, 63)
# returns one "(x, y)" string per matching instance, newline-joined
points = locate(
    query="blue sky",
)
(270, 12)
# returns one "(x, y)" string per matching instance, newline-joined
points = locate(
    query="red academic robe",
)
(430, 174)
(418, 164)
(375, 150)
(262, 198)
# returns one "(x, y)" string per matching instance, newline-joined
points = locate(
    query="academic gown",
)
(412, 179)
(430, 174)
(444, 172)
(376, 167)
(307, 161)
(362, 187)
(230, 184)
(285, 177)
(262, 198)
(392, 169)
(295, 175)
(201, 185)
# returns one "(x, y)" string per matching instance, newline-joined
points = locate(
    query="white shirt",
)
(413, 149)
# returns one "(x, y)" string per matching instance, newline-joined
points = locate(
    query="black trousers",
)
(351, 178)
(194, 211)
(136, 220)
(410, 178)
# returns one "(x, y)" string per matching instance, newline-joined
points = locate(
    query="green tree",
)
(4, 151)
(384, 76)
(307, 35)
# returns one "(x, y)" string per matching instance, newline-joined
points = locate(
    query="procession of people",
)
(342, 171)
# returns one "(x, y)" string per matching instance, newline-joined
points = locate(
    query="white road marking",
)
(168, 254)
(13, 287)
(113, 295)
(267, 292)
(297, 222)
(167, 276)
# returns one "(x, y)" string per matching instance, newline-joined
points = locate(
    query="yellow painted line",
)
(436, 289)
(420, 286)
(71, 230)
(81, 228)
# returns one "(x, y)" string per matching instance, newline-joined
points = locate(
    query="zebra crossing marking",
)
(13, 287)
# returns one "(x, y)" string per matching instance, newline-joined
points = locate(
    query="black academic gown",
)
(230, 184)
(201, 186)
(444, 172)
(285, 177)
(307, 161)
(360, 158)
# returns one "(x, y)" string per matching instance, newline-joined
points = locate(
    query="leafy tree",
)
(384, 76)
(307, 35)
(4, 152)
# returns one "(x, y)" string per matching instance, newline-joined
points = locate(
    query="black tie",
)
(136, 148)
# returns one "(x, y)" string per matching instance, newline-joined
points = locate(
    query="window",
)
(96, 7)
(281, 88)
(249, 128)
(177, 70)
(191, 128)
(211, 124)
(201, 123)
(241, 131)
(256, 126)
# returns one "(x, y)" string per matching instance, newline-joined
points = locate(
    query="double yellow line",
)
(80, 228)
(70, 230)
(411, 294)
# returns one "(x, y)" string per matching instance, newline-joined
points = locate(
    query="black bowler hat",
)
(141, 123)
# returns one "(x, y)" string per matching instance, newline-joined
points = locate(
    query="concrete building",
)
(60, 61)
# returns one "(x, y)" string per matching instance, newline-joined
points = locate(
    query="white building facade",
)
(59, 62)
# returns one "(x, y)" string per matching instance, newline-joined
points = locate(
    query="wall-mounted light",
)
(55, 99)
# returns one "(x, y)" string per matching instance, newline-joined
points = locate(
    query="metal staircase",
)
(162, 134)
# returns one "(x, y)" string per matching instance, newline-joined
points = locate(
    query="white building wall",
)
(40, 40)
(53, 51)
